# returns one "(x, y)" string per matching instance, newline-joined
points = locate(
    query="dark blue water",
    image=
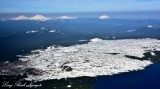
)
(145, 79)
(14, 40)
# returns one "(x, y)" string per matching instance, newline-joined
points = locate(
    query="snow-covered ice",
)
(69, 86)
(52, 31)
(92, 59)
(149, 26)
(42, 28)
(32, 31)
(130, 30)
(82, 40)
(95, 39)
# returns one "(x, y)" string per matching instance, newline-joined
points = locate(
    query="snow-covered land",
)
(66, 17)
(35, 18)
(92, 59)
(39, 18)
(21, 17)
(104, 17)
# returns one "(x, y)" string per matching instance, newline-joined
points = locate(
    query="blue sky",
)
(48, 6)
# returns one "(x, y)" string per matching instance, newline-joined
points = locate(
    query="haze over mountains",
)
(44, 18)
(36, 17)
(41, 18)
